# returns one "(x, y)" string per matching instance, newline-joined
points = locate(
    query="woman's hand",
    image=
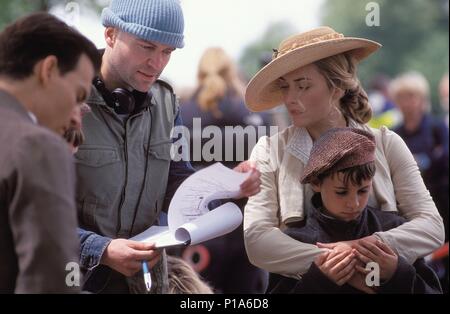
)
(337, 246)
(252, 185)
(379, 253)
(347, 245)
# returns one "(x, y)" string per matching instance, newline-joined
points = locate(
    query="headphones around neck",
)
(121, 100)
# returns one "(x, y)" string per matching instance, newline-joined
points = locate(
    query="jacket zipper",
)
(122, 198)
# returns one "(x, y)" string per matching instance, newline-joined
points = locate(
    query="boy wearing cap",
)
(125, 175)
(340, 170)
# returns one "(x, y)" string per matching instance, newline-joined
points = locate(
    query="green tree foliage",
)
(13, 9)
(414, 35)
(254, 54)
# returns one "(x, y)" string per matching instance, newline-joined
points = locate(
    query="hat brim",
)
(263, 93)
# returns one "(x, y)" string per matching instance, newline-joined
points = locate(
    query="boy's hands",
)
(338, 266)
(340, 263)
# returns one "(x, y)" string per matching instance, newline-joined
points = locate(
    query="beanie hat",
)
(151, 20)
(338, 149)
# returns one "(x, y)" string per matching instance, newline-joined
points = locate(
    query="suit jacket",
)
(37, 206)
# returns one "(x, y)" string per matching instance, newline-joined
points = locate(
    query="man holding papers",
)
(124, 169)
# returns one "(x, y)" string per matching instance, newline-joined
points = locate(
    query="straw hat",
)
(338, 149)
(295, 52)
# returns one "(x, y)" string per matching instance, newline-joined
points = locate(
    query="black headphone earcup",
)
(106, 94)
(124, 101)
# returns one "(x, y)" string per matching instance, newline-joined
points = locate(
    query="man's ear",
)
(110, 36)
(46, 69)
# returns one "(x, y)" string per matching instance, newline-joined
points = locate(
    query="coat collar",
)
(301, 143)
(337, 228)
(10, 102)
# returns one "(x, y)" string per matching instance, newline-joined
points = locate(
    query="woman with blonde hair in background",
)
(315, 75)
(218, 98)
(218, 101)
(183, 279)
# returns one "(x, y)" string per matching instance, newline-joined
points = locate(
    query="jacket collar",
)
(337, 228)
(301, 143)
(11, 102)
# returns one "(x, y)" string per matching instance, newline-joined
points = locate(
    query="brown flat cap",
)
(338, 149)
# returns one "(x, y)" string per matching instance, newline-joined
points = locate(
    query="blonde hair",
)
(183, 279)
(340, 72)
(412, 82)
(74, 137)
(217, 74)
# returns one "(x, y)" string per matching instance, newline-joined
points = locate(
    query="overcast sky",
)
(232, 24)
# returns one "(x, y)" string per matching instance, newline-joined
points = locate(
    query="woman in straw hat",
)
(314, 75)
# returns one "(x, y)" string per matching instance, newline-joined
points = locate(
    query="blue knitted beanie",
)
(151, 20)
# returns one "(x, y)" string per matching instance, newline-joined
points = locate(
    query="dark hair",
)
(355, 174)
(32, 38)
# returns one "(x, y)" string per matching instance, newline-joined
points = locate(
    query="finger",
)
(245, 166)
(134, 266)
(151, 263)
(346, 278)
(255, 184)
(332, 254)
(367, 253)
(143, 246)
(386, 248)
(144, 255)
(363, 258)
(373, 248)
(253, 190)
(333, 260)
(326, 245)
(350, 268)
(346, 264)
(361, 269)
(253, 179)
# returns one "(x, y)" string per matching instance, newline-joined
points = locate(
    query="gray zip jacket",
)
(122, 176)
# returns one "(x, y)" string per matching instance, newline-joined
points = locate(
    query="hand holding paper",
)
(190, 221)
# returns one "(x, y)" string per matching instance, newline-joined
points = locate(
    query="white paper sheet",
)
(190, 221)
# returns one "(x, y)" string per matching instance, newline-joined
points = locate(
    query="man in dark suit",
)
(46, 69)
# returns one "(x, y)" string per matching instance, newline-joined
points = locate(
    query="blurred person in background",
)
(383, 109)
(218, 100)
(183, 279)
(427, 138)
(443, 96)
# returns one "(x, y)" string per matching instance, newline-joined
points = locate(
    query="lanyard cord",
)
(145, 173)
